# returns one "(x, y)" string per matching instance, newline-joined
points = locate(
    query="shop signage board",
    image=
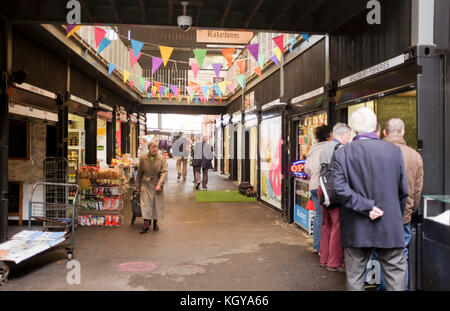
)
(308, 95)
(32, 112)
(224, 36)
(386, 65)
(36, 90)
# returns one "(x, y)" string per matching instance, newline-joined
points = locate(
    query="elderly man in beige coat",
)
(150, 180)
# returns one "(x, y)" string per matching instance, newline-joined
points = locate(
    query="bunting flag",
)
(154, 90)
(222, 87)
(241, 80)
(131, 84)
(189, 90)
(126, 75)
(217, 68)
(142, 83)
(231, 86)
(149, 95)
(196, 100)
(71, 29)
(111, 68)
(170, 97)
(178, 92)
(217, 90)
(103, 44)
(261, 60)
(254, 48)
(291, 44)
(180, 98)
(305, 36)
(133, 60)
(200, 56)
(258, 71)
(195, 68)
(146, 85)
(188, 99)
(205, 90)
(99, 35)
(279, 41)
(275, 60)
(161, 91)
(174, 89)
(166, 51)
(158, 86)
(278, 53)
(228, 54)
(136, 46)
(156, 63)
(213, 98)
(166, 91)
(241, 64)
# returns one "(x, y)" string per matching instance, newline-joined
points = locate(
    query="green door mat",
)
(222, 196)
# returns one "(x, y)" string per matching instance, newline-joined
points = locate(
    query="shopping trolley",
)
(55, 213)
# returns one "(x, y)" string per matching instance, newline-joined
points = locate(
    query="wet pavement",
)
(200, 246)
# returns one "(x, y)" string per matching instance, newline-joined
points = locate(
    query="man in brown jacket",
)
(394, 132)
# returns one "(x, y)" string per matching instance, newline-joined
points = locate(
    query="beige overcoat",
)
(147, 178)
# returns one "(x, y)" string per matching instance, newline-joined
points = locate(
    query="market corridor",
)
(200, 246)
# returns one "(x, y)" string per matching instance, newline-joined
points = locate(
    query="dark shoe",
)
(196, 185)
(178, 178)
(145, 230)
(338, 269)
(323, 265)
(155, 227)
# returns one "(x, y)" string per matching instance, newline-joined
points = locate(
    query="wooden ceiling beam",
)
(253, 13)
(225, 13)
(143, 11)
(113, 4)
(283, 12)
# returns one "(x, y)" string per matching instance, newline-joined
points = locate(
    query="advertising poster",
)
(270, 154)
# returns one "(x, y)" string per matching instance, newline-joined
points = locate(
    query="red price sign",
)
(298, 168)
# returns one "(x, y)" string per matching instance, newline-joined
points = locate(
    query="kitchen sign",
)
(222, 36)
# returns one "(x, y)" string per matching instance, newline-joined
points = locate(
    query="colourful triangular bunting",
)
(254, 49)
(99, 35)
(111, 68)
(156, 63)
(71, 29)
(200, 56)
(279, 41)
(136, 46)
(126, 75)
(217, 68)
(166, 51)
(228, 54)
(195, 68)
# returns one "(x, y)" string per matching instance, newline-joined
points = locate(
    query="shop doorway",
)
(235, 156)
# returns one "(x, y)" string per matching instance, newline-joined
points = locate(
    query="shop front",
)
(308, 112)
(235, 146)
(226, 144)
(250, 146)
(390, 90)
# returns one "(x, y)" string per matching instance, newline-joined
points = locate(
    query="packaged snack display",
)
(107, 220)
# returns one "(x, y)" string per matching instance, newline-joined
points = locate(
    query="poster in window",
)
(270, 154)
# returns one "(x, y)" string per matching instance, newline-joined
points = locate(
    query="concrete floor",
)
(200, 246)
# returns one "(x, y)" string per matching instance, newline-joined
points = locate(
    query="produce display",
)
(101, 196)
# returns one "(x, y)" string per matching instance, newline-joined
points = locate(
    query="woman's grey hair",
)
(340, 129)
(152, 143)
(395, 127)
(363, 120)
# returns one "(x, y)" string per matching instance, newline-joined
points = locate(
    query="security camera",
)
(184, 21)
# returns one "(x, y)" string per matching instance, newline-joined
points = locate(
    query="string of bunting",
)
(219, 88)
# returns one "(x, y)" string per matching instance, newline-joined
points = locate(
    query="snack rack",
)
(101, 197)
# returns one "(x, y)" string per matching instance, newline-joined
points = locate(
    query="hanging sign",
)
(298, 168)
(223, 36)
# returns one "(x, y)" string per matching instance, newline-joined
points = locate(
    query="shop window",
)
(19, 140)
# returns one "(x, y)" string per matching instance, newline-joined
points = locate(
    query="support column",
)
(114, 130)
(6, 61)
(90, 126)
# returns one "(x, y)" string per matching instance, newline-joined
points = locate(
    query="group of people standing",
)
(152, 175)
(377, 186)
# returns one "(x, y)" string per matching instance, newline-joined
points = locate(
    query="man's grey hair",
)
(363, 120)
(395, 127)
(340, 129)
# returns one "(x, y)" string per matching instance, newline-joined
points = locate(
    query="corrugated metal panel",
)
(306, 72)
(268, 90)
(45, 70)
(81, 85)
(358, 45)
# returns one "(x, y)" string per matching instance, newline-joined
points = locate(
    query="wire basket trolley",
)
(51, 208)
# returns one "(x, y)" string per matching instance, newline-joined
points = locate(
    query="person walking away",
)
(203, 155)
(371, 185)
(394, 132)
(312, 168)
(181, 145)
(331, 253)
(150, 180)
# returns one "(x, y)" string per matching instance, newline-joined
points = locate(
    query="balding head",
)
(394, 127)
